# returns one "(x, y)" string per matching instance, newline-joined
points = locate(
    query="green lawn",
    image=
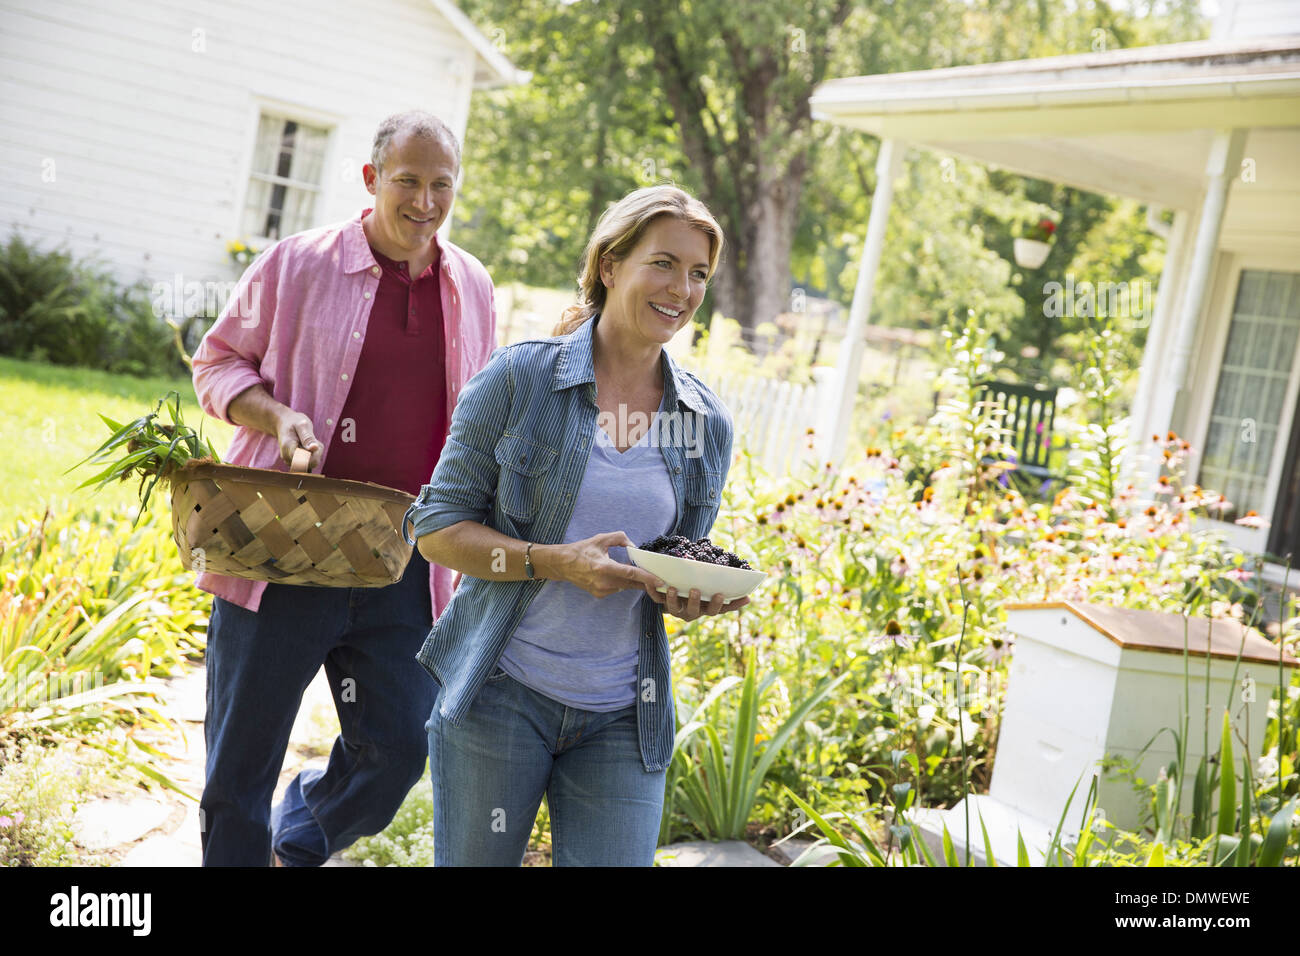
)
(51, 421)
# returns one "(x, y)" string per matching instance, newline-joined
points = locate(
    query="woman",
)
(552, 657)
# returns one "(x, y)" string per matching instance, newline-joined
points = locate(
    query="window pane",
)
(269, 129)
(1250, 396)
(285, 150)
(308, 155)
(298, 207)
(259, 194)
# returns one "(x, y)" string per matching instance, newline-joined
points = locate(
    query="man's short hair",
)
(417, 123)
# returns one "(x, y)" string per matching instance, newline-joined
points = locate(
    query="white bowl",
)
(684, 574)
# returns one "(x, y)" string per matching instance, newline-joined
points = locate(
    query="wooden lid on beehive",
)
(1169, 633)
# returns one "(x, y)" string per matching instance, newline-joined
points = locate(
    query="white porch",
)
(1210, 130)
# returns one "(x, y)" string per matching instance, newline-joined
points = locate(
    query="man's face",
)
(414, 192)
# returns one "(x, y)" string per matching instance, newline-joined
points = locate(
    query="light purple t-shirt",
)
(570, 646)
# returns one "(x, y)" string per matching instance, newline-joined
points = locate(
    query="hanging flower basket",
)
(1031, 253)
(1032, 248)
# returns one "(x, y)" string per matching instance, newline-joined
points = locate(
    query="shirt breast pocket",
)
(525, 466)
(703, 494)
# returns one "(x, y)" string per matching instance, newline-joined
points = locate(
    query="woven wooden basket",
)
(289, 527)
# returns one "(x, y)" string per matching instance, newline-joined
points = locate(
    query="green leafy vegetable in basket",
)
(148, 447)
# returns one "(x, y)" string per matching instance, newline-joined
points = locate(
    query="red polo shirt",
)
(394, 419)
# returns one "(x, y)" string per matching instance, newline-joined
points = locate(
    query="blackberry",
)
(704, 550)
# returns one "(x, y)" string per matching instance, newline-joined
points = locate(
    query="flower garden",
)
(865, 681)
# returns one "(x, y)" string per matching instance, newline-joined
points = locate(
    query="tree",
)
(713, 95)
(738, 77)
(543, 160)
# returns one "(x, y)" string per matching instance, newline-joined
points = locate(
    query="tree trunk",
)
(753, 284)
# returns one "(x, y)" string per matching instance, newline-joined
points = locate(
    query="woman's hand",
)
(587, 564)
(691, 608)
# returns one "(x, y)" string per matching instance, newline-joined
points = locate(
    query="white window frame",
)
(1208, 368)
(330, 122)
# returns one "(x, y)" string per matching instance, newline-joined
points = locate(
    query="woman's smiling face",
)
(653, 292)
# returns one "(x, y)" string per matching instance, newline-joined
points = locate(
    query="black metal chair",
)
(1030, 415)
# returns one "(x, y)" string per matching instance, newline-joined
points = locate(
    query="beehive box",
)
(1089, 682)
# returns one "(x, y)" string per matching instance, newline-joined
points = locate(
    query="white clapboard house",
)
(1209, 130)
(153, 133)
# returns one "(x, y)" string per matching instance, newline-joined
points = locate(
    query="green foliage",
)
(1099, 438)
(407, 840)
(41, 788)
(716, 786)
(91, 610)
(866, 562)
(56, 309)
(154, 451)
(714, 96)
(55, 418)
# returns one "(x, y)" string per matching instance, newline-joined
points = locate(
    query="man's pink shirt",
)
(318, 287)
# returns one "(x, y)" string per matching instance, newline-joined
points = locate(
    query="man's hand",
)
(294, 430)
(255, 408)
(691, 608)
(587, 565)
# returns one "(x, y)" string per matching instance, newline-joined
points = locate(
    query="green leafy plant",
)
(56, 308)
(92, 610)
(153, 450)
(717, 785)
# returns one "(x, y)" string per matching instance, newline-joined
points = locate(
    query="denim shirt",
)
(521, 435)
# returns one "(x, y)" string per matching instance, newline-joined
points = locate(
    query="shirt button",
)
(329, 421)
(375, 270)
(453, 343)
(345, 376)
(677, 470)
(712, 493)
(367, 295)
(356, 335)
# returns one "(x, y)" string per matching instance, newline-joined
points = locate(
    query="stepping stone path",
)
(163, 829)
(700, 853)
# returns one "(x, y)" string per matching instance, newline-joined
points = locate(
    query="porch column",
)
(834, 436)
(1221, 168)
(1138, 465)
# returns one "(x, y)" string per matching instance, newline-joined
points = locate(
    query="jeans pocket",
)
(497, 676)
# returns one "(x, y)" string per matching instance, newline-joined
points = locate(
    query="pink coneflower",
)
(893, 637)
(998, 648)
(1251, 519)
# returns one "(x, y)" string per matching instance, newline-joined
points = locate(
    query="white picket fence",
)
(772, 417)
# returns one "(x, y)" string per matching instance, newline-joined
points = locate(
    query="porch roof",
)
(1135, 122)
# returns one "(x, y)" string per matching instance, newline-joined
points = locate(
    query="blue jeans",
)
(259, 663)
(514, 745)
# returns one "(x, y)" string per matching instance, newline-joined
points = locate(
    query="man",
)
(353, 342)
